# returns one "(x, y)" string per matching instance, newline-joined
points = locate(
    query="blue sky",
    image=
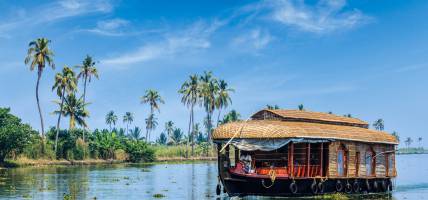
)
(367, 58)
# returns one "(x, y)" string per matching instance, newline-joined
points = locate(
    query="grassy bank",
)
(412, 150)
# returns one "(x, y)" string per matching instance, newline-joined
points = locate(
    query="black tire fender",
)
(314, 187)
(356, 187)
(339, 186)
(293, 187)
(218, 189)
(321, 187)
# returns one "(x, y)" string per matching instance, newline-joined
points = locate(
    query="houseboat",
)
(298, 153)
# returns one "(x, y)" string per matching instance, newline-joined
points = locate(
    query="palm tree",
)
(301, 108)
(162, 139)
(75, 109)
(232, 116)
(191, 92)
(39, 54)
(169, 129)
(395, 134)
(270, 107)
(64, 82)
(151, 124)
(111, 118)
(408, 142)
(223, 98)
(135, 133)
(128, 118)
(209, 90)
(87, 70)
(177, 135)
(152, 98)
(379, 125)
(420, 141)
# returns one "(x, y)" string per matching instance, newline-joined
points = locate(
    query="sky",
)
(367, 58)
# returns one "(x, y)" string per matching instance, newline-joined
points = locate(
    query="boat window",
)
(341, 161)
(370, 162)
(391, 166)
(276, 158)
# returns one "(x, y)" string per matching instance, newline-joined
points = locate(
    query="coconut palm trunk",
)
(39, 76)
(218, 116)
(59, 119)
(72, 122)
(193, 129)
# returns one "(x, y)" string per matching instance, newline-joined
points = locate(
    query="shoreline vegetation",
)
(412, 150)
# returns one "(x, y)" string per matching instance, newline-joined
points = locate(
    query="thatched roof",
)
(265, 129)
(309, 116)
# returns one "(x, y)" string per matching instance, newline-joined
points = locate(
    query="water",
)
(174, 181)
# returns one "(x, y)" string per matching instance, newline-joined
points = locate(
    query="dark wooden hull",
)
(236, 185)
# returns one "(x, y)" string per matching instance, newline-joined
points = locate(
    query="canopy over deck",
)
(307, 128)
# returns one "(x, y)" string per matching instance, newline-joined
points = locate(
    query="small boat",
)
(299, 153)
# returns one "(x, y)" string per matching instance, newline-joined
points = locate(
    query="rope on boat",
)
(234, 135)
(272, 175)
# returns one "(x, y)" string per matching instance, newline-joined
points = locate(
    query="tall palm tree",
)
(111, 118)
(87, 70)
(75, 109)
(301, 108)
(420, 141)
(223, 99)
(38, 55)
(152, 98)
(209, 90)
(169, 128)
(395, 134)
(408, 142)
(379, 125)
(232, 116)
(151, 124)
(64, 82)
(128, 118)
(135, 133)
(270, 107)
(190, 91)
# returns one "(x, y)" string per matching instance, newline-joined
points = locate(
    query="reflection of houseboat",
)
(291, 153)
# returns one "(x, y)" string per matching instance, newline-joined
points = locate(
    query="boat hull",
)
(236, 185)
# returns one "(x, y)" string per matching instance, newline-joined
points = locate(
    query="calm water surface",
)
(175, 181)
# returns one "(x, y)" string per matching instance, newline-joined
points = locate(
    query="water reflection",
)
(174, 181)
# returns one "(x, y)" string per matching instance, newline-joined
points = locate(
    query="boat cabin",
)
(293, 152)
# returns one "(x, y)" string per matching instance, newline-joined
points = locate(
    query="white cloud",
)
(112, 27)
(322, 17)
(253, 40)
(52, 12)
(195, 37)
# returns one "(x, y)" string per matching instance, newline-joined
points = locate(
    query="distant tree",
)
(301, 108)
(14, 135)
(209, 90)
(270, 107)
(153, 98)
(169, 129)
(177, 135)
(128, 118)
(135, 133)
(39, 54)
(87, 70)
(191, 92)
(111, 118)
(395, 134)
(231, 117)
(64, 82)
(348, 115)
(420, 142)
(162, 139)
(74, 108)
(329, 112)
(379, 125)
(151, 124)
(408, 142)
(223, 99)
(199, 135)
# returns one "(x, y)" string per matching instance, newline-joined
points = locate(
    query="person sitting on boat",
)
(246, 160)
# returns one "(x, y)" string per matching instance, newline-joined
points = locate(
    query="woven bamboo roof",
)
(309, 116)
(269, 129)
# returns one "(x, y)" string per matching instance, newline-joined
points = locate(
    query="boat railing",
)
(298, 171)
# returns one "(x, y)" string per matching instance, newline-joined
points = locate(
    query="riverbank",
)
(24, 162)
(412, 151)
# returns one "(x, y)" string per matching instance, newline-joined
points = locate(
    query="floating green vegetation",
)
(127, 184)
(26, 196)
(336, 196)
(115, 180)
(145, 170)
(126, 177)
(158, 195)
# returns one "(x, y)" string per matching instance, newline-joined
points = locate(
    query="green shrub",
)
(139, 151)
(81, 150)
(14, 136)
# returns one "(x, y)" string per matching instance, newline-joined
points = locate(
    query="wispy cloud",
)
(195, 37)
(253, 40)
(323, 17)
(52, 12)
(408, 68)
